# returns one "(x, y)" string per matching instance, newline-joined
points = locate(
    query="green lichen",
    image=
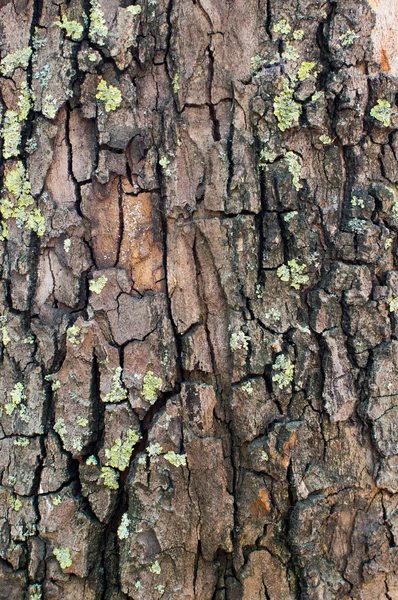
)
(325, 140)
(12, 61)
(348, 38)
(289, 52)
(49, 108)
(134, 9)
(22, 442)
(283, 371)
(110, 95)
(155, 568)
(77, 444)
(239, 341)
(266, 156)
(382, 112)
(123, 529)
(98, 30)
(97, 285)
(119, 455)
(19, 198)
(293, 273)
(110, 477)
(154, 449)
(55, 385)
(176, 83)
(151, 386)
(11, 134)
(15, 503)
(73, 29)
(282, 27)
(286, 110)
(67, 245)
(317, 96)
(64, 557)
(81, 422)
(177, 460)
(72, 334)
(92, 461)
(118, 392)
(160, 588)
(256, 64)
(294, 167)
(305, 69)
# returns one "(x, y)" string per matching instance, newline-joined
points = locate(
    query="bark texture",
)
(199, 300)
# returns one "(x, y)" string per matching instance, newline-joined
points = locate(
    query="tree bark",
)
(199, 300)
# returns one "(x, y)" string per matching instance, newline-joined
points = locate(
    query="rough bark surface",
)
(199, 300)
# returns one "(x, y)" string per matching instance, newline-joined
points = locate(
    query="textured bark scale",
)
(199, 300)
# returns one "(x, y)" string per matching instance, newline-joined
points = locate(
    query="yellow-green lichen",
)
(176, 83)
(110, 95)
(17, 397)
(382, 112)
(119, 455)
(64, 557)
(123, 529)
(97, 285)
(283, 369)
(293, 273)
(15, 503)
(134, 9)
(22, 442)
(325, 140)
(110, 478)
(151, 386)
(81, 422)
(11, 134)
(60, 428)
(98, 30)
(393, 305)
(164, 163)
(73, 29)
(298, 34)
(12, 61)
(305, 69)
(356, 201)
(19, 198)
(177, 460)
(294, 167)
(286, 110)
(72, 334)
(25, 102)
(56, 500)
(282, 27)
(5, 336)
(155, 568)
(118, 392)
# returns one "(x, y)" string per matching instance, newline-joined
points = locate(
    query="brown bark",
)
(199, 295)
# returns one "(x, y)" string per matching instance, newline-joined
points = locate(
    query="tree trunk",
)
(199, 373)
